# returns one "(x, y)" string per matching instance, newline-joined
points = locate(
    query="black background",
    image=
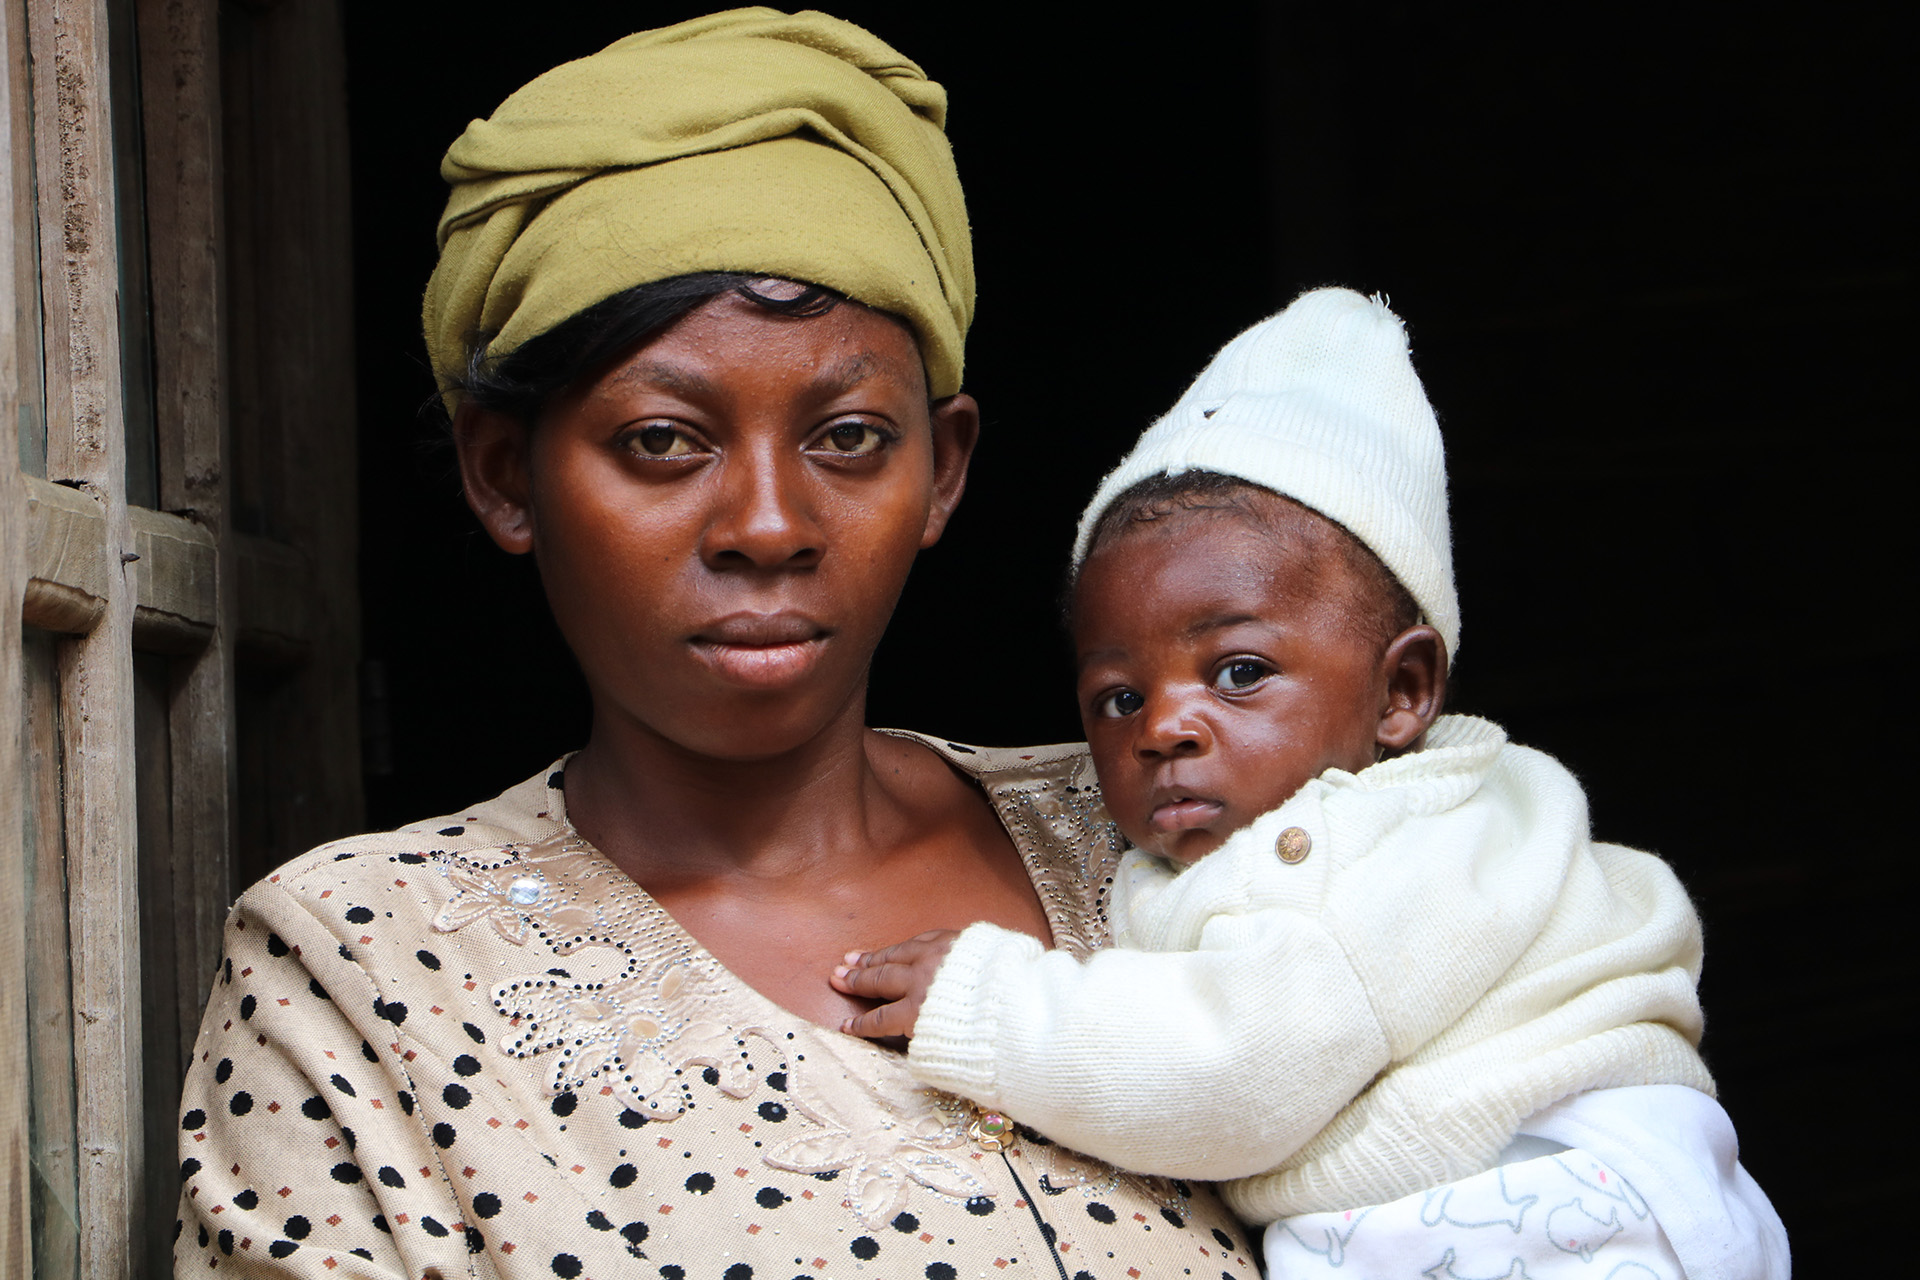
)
(1656, 269)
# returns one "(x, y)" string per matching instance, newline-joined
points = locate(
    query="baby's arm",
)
(1213, 1063)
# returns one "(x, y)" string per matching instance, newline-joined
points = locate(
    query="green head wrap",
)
(788, 145)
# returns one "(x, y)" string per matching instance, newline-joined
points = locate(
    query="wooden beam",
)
(16, 1207)
(181, 119)
(175, 587)
(86, 445)
(172, 572)
(66, 540)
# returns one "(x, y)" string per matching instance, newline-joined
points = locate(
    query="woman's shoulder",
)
(525, 814)
(1048, 799)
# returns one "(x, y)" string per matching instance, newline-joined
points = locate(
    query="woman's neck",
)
(779, 867)
(666, 814)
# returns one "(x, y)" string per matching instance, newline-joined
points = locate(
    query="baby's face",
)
(1217, 675)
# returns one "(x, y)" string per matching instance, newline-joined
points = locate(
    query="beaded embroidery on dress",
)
(475, 1046)
(642, 1003)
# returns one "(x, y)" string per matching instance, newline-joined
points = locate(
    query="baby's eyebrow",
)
(1097, 655)
(1219, 622)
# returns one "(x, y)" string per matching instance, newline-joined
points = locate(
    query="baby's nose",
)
(1172, 728)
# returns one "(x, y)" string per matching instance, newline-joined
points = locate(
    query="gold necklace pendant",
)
(990, 1130)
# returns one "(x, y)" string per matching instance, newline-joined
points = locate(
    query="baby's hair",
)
(1376, 603)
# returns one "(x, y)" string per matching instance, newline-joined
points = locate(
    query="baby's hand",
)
(899, 974)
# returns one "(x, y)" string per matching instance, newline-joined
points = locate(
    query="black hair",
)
(521, 382)
(1379, 606)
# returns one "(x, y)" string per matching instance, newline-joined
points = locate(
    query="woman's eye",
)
(659, 441)
(1121, 702)
(853, 439)
(1241, 673)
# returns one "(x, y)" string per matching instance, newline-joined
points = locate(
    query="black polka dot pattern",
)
(368, 1087)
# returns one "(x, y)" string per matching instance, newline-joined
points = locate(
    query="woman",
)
(699, 312)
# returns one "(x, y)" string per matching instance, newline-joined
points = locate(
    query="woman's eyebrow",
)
(832, 380)
(668, 377)
(844, 375)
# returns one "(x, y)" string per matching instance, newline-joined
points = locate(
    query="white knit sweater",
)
(1453, 954)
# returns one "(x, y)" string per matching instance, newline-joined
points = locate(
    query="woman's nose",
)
(765, 518)
(1171, 726)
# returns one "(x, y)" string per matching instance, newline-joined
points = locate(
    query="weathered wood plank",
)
(16, 1249)
(23, 296)
(181, 113)
(49, 985)
(85, 445)
(160, 935)
(180, 93)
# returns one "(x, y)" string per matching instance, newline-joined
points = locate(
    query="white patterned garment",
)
(1614, 1184)
(1563, 1215)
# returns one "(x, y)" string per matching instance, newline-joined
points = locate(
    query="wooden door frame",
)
(109, 578)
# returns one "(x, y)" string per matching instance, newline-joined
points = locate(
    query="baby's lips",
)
(1184, 814)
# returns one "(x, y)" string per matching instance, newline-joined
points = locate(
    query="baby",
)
(1371, 969)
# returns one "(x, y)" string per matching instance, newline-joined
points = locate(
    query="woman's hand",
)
(900, 975)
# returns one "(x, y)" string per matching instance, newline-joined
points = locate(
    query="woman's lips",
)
(1183, 813)
(761, 650)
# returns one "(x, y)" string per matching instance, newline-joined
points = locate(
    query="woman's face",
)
(724, 519)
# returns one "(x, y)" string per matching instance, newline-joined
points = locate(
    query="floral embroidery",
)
(637, 1034)
(509, 894)
(802, 1143)
(643, 1012)
(883, 1132)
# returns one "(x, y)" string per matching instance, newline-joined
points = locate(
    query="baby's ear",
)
(1414, 675)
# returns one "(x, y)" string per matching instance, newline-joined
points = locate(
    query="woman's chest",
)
(620, 1093)
(683, 1123)
(783, 941)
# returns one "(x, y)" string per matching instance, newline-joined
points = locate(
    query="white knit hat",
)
(1321, 404)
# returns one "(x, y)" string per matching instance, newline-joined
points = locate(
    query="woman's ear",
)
(495, 471)
(956, 429)
(1415, 671)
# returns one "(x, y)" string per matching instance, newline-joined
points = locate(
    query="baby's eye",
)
(853, 439)
(1241, 673)
(657, 440)
(1121, 702)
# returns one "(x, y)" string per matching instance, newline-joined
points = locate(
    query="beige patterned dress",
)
(475, 1047)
